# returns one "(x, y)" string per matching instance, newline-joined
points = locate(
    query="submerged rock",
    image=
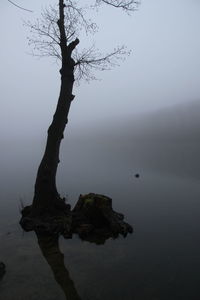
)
(92, 218)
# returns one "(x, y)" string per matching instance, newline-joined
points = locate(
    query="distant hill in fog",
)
(165, 141)
(177, 123)
(169, 140)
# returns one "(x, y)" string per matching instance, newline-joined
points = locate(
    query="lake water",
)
(159, 261)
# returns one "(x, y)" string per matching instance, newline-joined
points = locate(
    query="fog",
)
(163, 68)
(107, 115)
(140, 117)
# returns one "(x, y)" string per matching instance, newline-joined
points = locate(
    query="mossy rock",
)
(95, 213)
(93, 199)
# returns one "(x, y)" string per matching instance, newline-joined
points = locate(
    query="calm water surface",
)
(160, 260)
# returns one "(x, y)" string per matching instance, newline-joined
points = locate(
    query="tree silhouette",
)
(56, 35)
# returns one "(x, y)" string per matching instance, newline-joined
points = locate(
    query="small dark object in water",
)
(137, 175)
(2, 269)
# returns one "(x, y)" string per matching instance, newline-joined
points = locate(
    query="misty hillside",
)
(180, 123)
(164, 141)
(168, 140)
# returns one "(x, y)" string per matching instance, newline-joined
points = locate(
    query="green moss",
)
(88, 201)
(91, 198)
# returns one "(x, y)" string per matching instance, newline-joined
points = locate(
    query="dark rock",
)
(102, 221)
(26, 210)
(137, 175)
(2, 270)
(92, 218)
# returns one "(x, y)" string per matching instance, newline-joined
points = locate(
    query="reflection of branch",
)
(19, 6)
(50, 249)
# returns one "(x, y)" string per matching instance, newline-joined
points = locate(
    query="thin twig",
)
(20, 6)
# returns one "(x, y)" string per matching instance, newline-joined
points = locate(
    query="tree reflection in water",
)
(92, 219)
(49, 245)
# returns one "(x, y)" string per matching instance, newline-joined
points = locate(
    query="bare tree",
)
(46, 40)
(56, 35)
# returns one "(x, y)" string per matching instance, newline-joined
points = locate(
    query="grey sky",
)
(163, 69)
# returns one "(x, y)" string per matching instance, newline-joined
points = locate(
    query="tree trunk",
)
(46, 196)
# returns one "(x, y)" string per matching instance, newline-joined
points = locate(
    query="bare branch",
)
(73, 45)
(74, 9)
(55, 35)
(127, 5)
(91, 59)
(19, 6)
(44, 37)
